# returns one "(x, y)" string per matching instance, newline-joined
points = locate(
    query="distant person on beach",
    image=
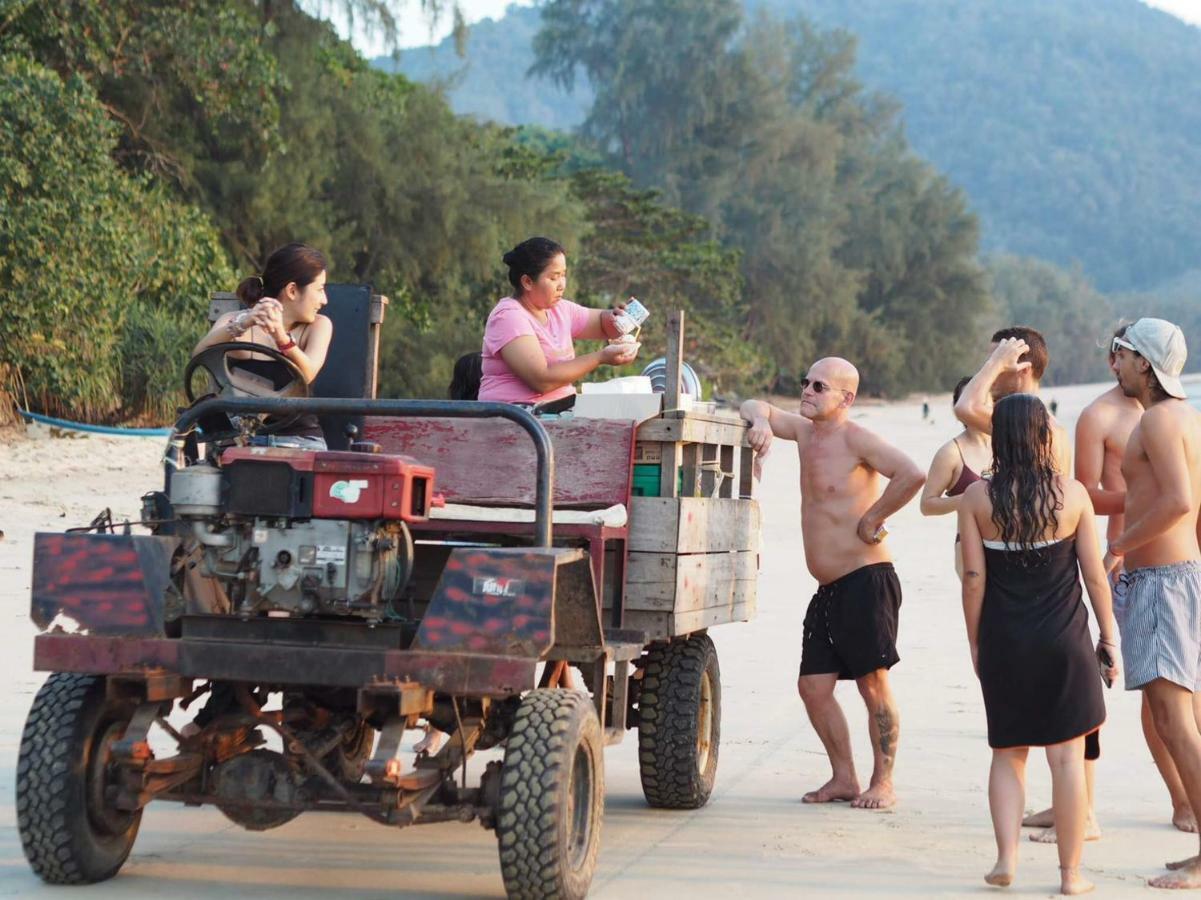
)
(1016, 365)
(529, 339)
(465, 380)
(957, 465)
(1158, 597)
(850, 625)
(1028, 535)
(1102, 432)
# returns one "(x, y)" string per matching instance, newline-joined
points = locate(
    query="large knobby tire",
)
(552, 797)
(679, 723)
(70, 833)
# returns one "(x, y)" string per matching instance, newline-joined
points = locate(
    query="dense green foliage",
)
(90, 256)
(850, 244)
(1072, 126)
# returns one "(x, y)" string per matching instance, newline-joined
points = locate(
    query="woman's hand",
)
(618, 354)
(607, 317)
(269, 315)
(1109, 661)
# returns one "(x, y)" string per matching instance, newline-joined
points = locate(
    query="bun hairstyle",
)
(530, 257)
(293, 262)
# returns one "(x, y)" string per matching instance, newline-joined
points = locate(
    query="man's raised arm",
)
(905, 479)
(768, 421)
(975, 402)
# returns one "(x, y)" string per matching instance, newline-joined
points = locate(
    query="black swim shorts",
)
(851, 624)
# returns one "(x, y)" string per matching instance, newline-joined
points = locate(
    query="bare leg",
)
(1174, 718)
(1069, 799)
(884, 725)
(817, 693)
(1092, 830)
(1006, 800)
(1182, 813)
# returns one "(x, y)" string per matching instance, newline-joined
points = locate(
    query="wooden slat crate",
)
(693, 563)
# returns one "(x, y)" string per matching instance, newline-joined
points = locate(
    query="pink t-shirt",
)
(510, 320)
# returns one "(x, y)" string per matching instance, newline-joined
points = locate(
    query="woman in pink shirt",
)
(529, 354)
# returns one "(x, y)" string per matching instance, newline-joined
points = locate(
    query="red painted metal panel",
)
(492, 461)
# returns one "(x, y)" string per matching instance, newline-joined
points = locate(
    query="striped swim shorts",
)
(1158, 609)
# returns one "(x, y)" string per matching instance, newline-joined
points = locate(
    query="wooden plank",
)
(690, 480)
(721, 417)
(693, 431)
(687, 582)
(674, 360)
(491, 462)
(746, 472)
(670, 460)
(729, 484)
(693, 525)
(659, 626)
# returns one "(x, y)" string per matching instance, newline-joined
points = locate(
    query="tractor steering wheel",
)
(225, 381)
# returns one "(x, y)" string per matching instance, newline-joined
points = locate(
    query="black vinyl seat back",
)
(351, 366)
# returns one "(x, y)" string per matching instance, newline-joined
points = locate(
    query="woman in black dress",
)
(1028, 535)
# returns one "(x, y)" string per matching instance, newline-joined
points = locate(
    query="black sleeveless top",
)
(279, 375)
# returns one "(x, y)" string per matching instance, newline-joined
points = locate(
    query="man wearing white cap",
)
(1158, 599)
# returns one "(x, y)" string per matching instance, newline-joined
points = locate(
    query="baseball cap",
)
(1162, 345)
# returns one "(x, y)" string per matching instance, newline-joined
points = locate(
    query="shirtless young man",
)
(1016, 365)
(1158, 600)
(1102, 432)
(851, 624)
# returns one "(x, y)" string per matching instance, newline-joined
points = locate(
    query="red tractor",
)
(303, 609)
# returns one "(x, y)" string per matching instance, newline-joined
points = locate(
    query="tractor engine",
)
(302, 532)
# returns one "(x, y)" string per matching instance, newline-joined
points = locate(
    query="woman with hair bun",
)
(282, 309)
(529, 353)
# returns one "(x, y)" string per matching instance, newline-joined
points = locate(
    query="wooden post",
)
(673, 455)
(674, 361)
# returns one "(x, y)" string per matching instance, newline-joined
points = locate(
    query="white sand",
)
(754, 837)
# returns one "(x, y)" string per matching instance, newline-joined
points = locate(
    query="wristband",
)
(285, 347)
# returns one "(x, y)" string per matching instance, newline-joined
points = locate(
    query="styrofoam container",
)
(630, 384)
(638, 407)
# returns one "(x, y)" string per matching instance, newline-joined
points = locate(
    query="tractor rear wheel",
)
(679, 723)
(552, 796)
(70, 831)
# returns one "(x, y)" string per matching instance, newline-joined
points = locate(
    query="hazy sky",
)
(416, 28)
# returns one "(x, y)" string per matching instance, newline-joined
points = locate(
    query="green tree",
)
(86, 252)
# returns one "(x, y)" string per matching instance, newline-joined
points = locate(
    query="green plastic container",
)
(646, 480)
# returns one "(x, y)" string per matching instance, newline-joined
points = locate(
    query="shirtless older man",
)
(851, 624)
(1158, 601)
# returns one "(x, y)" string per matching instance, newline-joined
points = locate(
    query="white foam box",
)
(617, 406)
(630, 384)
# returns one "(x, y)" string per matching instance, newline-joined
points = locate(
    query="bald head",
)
(837, 372)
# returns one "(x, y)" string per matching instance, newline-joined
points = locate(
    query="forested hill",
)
(1073, 125)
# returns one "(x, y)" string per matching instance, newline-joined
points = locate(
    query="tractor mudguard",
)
(106, 584)
(517, 601)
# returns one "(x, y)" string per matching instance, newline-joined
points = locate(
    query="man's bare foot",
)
(1183, 819)
(1185, 875)
(1000, 876)
(878, 796)
(1072, 882)
(1181, 863)
(1092, 832)
(833, 790)
(1044, 819)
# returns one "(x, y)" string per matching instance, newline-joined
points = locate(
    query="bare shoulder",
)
(1168, 417)
(976, 495)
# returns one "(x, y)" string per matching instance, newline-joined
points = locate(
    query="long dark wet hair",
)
(1025, 498)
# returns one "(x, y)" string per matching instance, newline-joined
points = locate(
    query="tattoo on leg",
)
(888, 730)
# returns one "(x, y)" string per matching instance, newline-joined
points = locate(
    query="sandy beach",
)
(754, 838)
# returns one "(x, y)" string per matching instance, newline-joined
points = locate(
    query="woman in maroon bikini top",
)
(957, 464)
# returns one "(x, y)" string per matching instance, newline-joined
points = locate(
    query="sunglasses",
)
(1118, 344)
(819, 387)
